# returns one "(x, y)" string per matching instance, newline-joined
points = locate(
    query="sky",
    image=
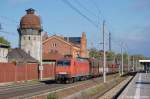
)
(126, 20)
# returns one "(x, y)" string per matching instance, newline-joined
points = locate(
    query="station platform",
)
(138, 88)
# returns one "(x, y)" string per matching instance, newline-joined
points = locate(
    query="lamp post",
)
(122, 61)
(128, 62)
(104, 57)
(41, 63)
(133, 64)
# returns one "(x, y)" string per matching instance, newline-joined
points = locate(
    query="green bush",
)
(52, 96)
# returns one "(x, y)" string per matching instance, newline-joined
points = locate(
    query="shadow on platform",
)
(142, 82)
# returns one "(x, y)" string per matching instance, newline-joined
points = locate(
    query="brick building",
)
(65, 46)
(3, 52)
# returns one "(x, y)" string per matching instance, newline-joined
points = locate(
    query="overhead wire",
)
(81, 5)
(11, 20)
(2, 25)
(86, 9)
(79, 12)
(6, 32)
(100, 12)
(102, 16)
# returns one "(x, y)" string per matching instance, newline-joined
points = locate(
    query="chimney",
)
(83, 51)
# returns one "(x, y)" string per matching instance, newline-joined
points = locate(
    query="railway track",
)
(11, 92)
(25, 91)
(5, 88)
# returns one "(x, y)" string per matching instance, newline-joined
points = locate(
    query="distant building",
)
(30, 34)
(3, 52)
(20, 56)
(65, 46)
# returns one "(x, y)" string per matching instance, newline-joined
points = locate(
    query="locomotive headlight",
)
(63, 73)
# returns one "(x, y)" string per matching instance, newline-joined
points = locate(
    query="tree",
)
(93, 53)
(125, 58)
(118, 57)
(148, 58)
(110, 55)
(137, 57)
(4, 41)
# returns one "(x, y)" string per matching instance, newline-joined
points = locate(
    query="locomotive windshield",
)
(63, 63)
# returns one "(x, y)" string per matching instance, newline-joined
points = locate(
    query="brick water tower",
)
(30, 34)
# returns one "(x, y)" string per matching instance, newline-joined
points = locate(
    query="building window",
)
(56, 51)
(24, 38)
(54, 45)
(53, 51)
(29, 38)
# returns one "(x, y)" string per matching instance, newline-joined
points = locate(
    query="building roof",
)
(30, 20)
(74, 40)
(20, 56)
(144, 61)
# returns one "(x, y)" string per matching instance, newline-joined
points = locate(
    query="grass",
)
(52, 96)
(100, 89)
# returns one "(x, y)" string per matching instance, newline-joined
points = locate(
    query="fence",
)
(10, 72)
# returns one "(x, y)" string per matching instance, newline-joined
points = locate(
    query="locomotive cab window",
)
(63, 63)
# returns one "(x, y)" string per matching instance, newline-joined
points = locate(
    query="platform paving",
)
(138, 88)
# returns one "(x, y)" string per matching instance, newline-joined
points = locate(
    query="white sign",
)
(40, 67)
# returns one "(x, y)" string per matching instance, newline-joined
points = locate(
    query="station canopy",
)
(144, 61)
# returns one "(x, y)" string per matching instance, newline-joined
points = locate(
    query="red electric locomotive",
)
(69, 70)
